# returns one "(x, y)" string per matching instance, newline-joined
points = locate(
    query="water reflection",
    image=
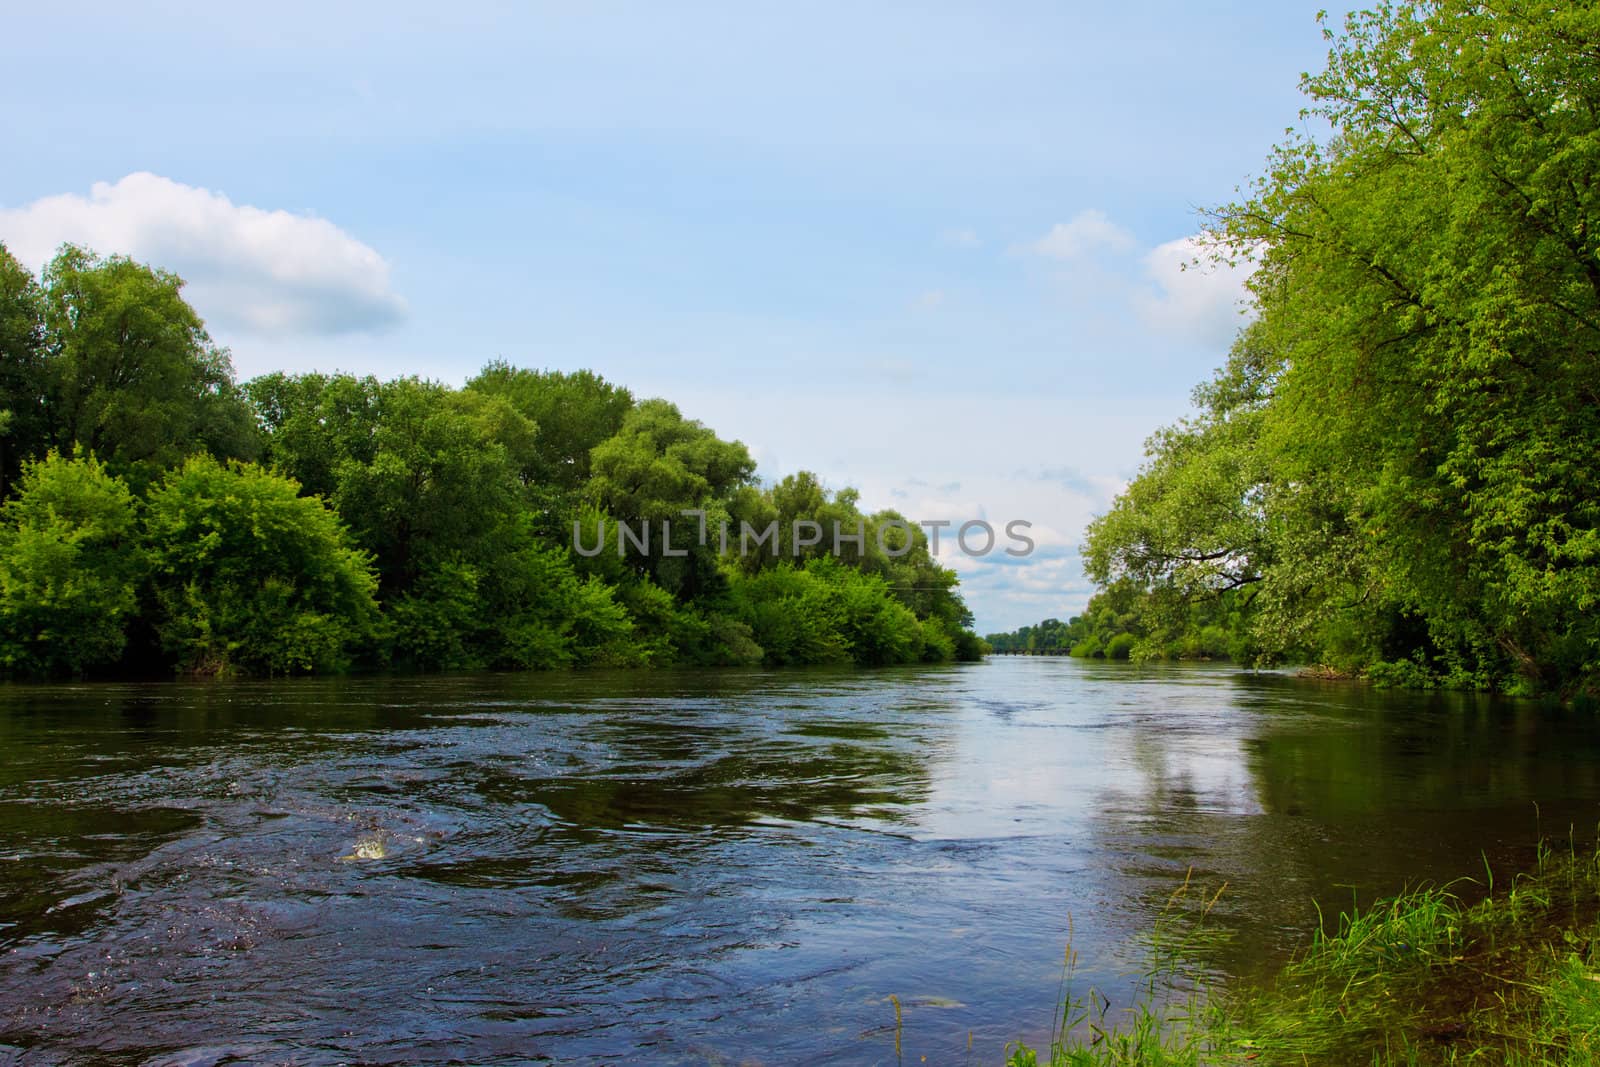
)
(691, 868)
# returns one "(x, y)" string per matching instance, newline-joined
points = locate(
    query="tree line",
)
(1396, 472)
(159, 515)
(1115, 625)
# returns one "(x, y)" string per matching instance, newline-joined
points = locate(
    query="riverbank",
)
(1487, 969)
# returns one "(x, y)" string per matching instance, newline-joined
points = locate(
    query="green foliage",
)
(430, 487)
(1399, 459)
(658, 463)
(252, 577)
(131, 374)
(1124, 621)
(70, 564)
(1120, 646)
(397, 522)
(826, 611)
(530, 611)
(657, 466)
(1418, 979)
(573, 412)
(316, 422)
(24, 422)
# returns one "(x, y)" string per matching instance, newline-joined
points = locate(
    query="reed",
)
(1472, 972)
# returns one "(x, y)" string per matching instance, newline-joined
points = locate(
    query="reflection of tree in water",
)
(1347, 793)
(1375, 751)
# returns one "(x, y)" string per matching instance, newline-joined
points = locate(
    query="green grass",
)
(1475, 972)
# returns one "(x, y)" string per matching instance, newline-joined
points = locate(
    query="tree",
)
(573, 412)
(1423, 479)
(655, 467)
(132, 375)
(429, 486)
(70, 566)
(313, 423)
(23, 426)
(251, 577)
(1193, 525)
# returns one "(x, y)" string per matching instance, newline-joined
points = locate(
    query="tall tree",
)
(132, 374)
(315, 422)
(658, 465)
(572, 411)
(1429, 292)
(23, 426)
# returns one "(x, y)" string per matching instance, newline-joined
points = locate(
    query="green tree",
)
(313, 423)
(251, 577)
(573, 412)
(658, 465)
(70, 566)
(430, 488)
(132, 375)
(24, 429)
(1419, 481)
(526, 609)
(1193, 525)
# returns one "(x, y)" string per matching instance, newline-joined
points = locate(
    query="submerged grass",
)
(1467, 973)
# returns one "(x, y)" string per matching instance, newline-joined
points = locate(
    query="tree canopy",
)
(314, 522)
(1399, 461)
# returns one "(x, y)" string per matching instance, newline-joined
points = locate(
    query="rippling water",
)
(728, 867)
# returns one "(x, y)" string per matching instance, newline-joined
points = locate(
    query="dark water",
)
(723, 868)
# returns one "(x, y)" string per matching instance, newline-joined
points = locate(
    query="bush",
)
(1120, 646)
(250, 577)
(70, 563)
(1401, 674)
(1088, 648)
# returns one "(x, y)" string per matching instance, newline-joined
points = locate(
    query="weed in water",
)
(1425, 978)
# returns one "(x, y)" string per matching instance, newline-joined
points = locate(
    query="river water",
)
(733, 867)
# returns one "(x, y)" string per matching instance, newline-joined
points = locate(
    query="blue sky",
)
(926, 249)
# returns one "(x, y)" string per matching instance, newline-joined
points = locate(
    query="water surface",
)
(712, 868)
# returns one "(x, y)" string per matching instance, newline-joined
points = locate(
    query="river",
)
(718, 867)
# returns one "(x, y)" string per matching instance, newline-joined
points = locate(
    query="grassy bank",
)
(1487, 970)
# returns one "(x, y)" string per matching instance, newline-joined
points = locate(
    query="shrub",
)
(250, 577)
(70, 563)
(1120, 646)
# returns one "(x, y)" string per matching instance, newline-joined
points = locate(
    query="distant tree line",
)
(1397, 470)
(1114, 626)
(157, 514)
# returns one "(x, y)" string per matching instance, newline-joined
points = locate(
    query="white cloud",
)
(265, 272)
(1086, 233)
(1193, 296)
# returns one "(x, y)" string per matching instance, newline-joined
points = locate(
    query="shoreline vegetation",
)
(159, 516)
(1395, 474)
(1486, 969)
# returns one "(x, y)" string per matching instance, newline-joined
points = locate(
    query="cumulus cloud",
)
(266, 272)
(1191, 295)
(1007, 593)
(1087, 233)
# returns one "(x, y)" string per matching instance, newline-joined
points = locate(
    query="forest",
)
(1396, 471)
(160, 517)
